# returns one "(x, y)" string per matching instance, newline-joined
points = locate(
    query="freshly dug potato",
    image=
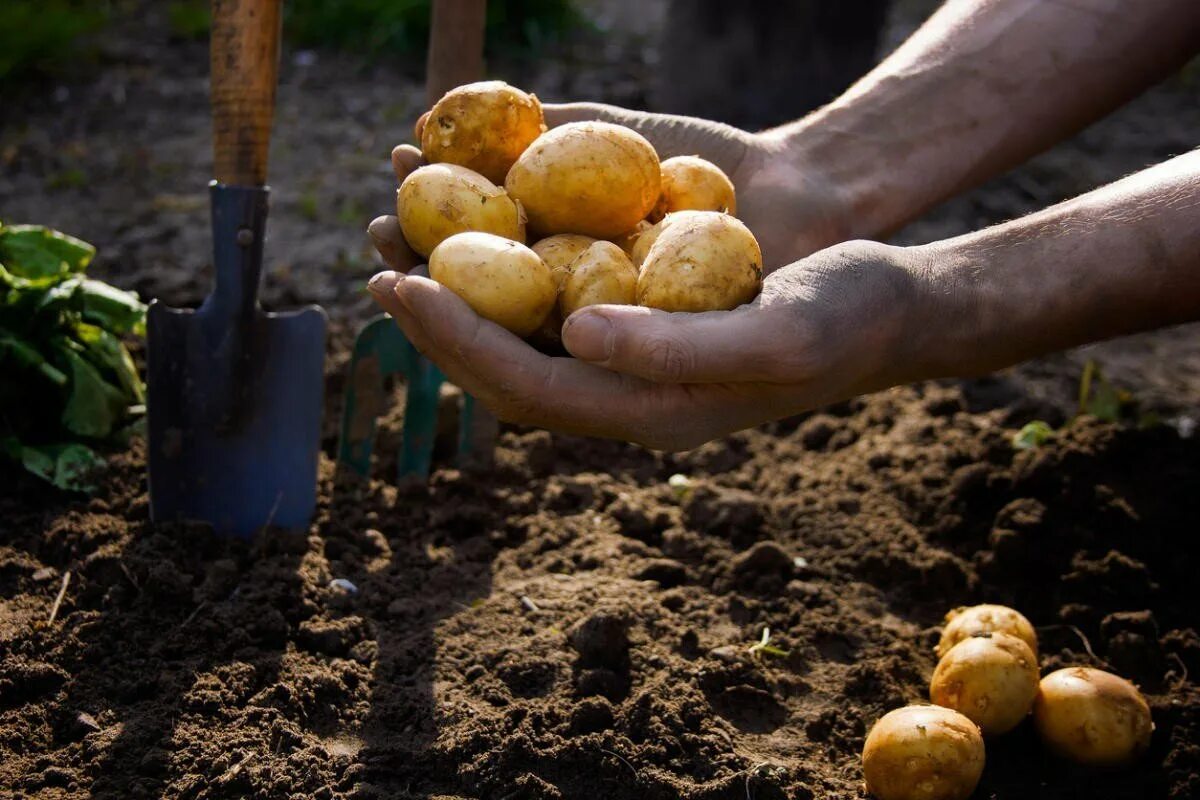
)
(967, 621)
(690, 182)
(628, 240)
(649, 235)
(559, 251)
(1092, 717)
(483, 126)
(500, 279)
(923, 753)
(440, 200)
(601, 274)
(706, 261)
(593, 178)
(991, 679)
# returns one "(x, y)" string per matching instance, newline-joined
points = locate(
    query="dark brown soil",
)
(567, 624)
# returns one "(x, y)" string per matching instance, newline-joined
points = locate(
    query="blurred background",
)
(104, 128)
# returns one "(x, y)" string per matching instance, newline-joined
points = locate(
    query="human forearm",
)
(979, 88)
(1122, 259)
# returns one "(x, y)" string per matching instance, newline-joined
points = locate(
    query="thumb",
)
(746, 344)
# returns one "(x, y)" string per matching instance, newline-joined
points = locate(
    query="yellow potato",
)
(1092, 717)
(483, 126)
(705, 261)
(593, 178)
(649, 235)
(923, 753)
(968, 621)
(601, 274)
(440, 200)
(991, 679)
(500, 279)
(559, 251)
(627, 241)
(690, 182)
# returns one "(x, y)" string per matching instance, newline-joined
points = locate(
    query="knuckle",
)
(667, 358)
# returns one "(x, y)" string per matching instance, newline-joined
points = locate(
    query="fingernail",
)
(381, 231)
(588, 335)
(384, 282)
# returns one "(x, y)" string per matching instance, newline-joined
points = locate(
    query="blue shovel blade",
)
(234, 422)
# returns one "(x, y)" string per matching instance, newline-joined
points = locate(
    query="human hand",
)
(782, 196)
(849, 319)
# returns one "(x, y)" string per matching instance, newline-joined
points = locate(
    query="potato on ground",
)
(593, 178)
(691, 183)
(483, 126)
(600, 274)
(704, 261)
(991, 679)
(923, 753)
(440, 200)
(967, 621)
(501, 280)
(1092, 717)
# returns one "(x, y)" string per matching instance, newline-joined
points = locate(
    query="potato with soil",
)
(440, 200)
(692, 183)
(648, 234)
(1092, 717)
(593, 178)
(923, 753)
(706, 261)
(557, 252)
(991, 679)
(600, 274)
(482, 126)
(628, 240)
(968, 621)
(501, 280)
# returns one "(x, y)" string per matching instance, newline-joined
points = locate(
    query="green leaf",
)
(27, 355)
(32, 252)
(1033, 434)
(67, 466)
(94, 406)
(107, 351)
(113, 309)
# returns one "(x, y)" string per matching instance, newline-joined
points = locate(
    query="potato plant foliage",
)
(69, 382)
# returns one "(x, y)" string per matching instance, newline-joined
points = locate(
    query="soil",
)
(570, 623)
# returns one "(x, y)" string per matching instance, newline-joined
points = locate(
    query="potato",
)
(559, 251)
(968, 621)
(628, 240)
(690, 182)
(482, 126)
(649, 235)
(600, 274)
(500, 279)
(705, 261)
(991, 679)
(440, 200)
(593, 178)
(923, 753)
(1092, 717)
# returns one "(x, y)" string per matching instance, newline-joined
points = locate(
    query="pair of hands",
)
(826, 327)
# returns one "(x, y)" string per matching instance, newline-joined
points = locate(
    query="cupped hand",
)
(792, 210)
(846, 320)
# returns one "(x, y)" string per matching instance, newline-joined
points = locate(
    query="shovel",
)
(235, 393)
(381, 349)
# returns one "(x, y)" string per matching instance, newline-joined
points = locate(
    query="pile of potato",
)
(985, 684)
(607, 221)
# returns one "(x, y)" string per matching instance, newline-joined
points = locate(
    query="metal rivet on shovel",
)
(235, 393)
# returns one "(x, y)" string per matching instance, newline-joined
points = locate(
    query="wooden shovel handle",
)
(455, 46)
(245, 66)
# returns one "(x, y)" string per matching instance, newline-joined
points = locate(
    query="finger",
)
(749, 344)
(405, 159)
(419, 127)
(388, 239)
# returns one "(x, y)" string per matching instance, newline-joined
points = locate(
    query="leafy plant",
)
(763, 647)
(1033, 434)
(69, 381)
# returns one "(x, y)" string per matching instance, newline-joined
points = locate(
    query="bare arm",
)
(1122, 259)
(980, 87)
